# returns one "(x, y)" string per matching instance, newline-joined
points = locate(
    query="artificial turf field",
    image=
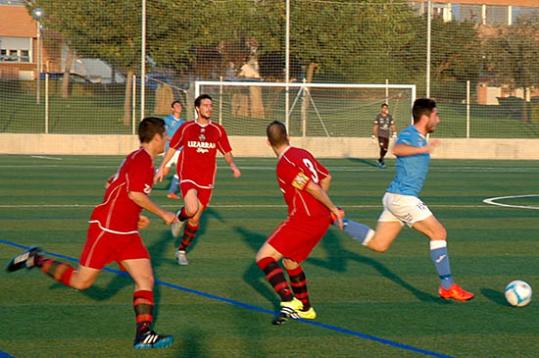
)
(368, 304)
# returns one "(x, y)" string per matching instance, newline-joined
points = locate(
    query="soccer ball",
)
(518, 293)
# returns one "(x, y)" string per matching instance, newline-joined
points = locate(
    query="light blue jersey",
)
(411, 169)
(171, 125)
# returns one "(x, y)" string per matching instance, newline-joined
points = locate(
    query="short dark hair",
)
(384, 105)
(422, 106)
(176, 101)
(149, 127)
(200, 98)
(276, 132)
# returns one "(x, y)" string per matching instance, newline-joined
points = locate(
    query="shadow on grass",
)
(208, 213)
(339, 258)
(495, 296)
(369, 163)
(253, 275)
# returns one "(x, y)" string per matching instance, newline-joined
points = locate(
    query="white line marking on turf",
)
(217, 206)
(45, 157)
(493, 201)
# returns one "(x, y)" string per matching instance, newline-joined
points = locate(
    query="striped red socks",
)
(298, 281)
(59, 271)
(275, 276)
(143, 306)
(189, 234)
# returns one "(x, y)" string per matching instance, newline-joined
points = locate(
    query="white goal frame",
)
(305, 86)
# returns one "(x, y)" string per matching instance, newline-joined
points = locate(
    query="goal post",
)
(315, 109)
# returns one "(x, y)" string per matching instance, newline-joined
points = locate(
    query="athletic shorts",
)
(174, 159)
(406, 209)
(102, 248)
(203, 194)
(383, 142)
(295, 238)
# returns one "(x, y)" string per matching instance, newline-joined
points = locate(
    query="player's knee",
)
(380, 247)
(82, 285)
(440, 234)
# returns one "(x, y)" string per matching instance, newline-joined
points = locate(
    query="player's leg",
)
(141, 272)
(189, 209)
(267, 259)
(80, 279)
(175, 182)
(436, 232)
(298, 283)
(192, 225)
(384, 145)
(386, 232)
(380, 240)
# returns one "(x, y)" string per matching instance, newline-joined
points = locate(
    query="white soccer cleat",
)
(181, 257)
(176, 228)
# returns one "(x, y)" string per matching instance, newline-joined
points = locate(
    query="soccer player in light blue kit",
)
(173, 121)
(402, 204)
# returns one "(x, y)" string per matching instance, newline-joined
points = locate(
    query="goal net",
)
(308, 109)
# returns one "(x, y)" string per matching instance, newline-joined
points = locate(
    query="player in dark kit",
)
(113, 234)
(382, 129)
(304, 183)
(200, 140)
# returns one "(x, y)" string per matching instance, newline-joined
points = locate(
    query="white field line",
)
(494, 201)
(45, 157)
(217, 206)
(272, 168)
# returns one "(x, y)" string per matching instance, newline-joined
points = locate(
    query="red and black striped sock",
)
(59, 271)
(298, 282)
(189, 234)
(275, 276)
(143, 306)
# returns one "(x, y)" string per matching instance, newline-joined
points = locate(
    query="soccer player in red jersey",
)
(113, 234)
(200, 140)
(304, 183)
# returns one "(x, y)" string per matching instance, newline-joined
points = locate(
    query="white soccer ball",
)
(518, 293)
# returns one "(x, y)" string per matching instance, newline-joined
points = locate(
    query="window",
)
(15, 49)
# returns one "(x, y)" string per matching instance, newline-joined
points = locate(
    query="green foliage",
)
(513, 54)
(109, 30)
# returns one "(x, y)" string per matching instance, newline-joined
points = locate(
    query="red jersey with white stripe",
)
(295, 169)
(197, 160)
(119, 214)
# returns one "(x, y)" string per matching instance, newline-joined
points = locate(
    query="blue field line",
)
(255, 308)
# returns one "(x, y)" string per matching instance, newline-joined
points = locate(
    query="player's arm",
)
(320, 194)
(404, 150)
(325, 183)
(393, 130)
(145, 202)
(374, 135)
(230, 160)
(161, 172)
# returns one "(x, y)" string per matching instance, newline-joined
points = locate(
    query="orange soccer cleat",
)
(173, 196)
(456, 293)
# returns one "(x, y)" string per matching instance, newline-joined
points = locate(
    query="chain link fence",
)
(75, 67)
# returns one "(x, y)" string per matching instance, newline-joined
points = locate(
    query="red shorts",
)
(204, 195)
(102, 248)
(296, 238)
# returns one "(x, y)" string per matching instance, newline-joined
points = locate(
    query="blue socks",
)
(358, 231)
(174, 184)
(440, 258)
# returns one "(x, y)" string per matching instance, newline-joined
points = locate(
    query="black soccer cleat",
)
(150, 339)
(26, 259)
(289, 309)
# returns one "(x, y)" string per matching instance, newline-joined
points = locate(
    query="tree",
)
(108, 30)
(455, 53)
(512, 53)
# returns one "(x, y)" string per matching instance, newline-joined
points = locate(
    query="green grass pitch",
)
(360, 296)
